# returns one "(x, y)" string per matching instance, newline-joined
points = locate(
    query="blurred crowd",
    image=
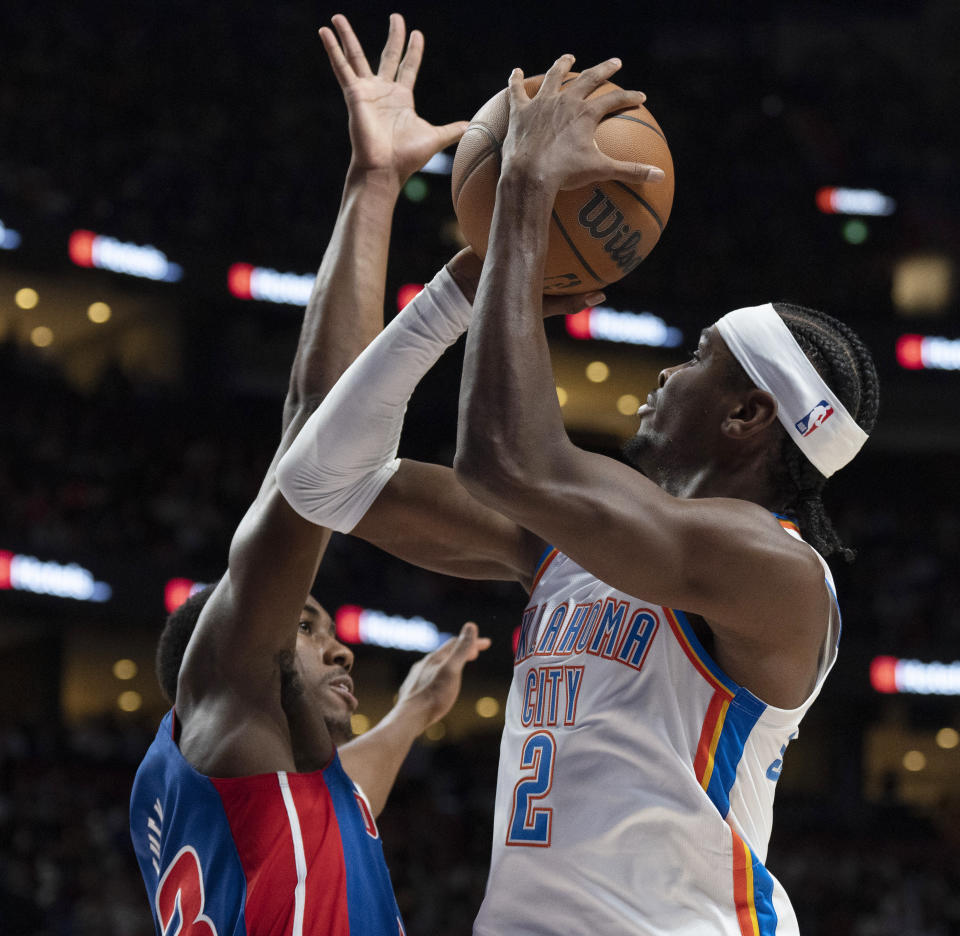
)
(210, 130)
(122, 472)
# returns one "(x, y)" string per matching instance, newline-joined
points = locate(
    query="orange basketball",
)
(598, 233)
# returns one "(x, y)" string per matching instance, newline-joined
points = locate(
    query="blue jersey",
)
(280, 854)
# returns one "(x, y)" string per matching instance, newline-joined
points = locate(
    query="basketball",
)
(598, 233)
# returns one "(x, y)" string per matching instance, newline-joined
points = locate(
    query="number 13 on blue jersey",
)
(531, 824)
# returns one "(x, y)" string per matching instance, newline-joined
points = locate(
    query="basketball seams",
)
(573, 247)
(626, 188)
(468, 175)
(649, 126)
(490, 134)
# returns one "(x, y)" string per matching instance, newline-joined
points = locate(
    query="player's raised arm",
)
(390, 142)
(698, 537)
(342, 471)
(234, 667)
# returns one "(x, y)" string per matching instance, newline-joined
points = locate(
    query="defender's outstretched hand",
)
(426, 695)
(551, 136)
(433, 682)
(385, 129)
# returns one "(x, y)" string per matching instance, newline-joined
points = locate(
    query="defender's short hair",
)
(174, 638)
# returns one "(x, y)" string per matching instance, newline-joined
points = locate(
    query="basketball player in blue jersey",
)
(242, 816)
(678, 626)
(373, 759)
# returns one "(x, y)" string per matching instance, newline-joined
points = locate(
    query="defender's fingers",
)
(469, 644)
(410, 66)
(591, 78)
(450, 133)
(338, 61)
(557, 72)
(390, 57)
(351, 46)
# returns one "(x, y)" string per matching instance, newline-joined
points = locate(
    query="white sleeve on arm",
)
(346, 451)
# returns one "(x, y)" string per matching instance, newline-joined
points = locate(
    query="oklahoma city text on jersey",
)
(636, 781)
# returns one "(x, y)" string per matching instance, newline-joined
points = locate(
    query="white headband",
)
(808, 409)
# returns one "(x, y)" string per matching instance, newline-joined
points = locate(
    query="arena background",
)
(132, 437)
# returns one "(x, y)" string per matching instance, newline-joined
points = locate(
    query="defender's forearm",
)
(374, 759)
(345, 310)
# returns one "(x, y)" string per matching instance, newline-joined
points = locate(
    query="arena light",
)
(891, 675)
(26, 298)
(923, 284)
(9, 238)
(406, 292)
(19, 572)
(416, 189)
(639, 328)
(439, 164)
(361, 625)
(87, 249)
(850, 201)
(264, 284)
(925, 352)
(178, 590)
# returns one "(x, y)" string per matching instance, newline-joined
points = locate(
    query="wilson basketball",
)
(598, 233)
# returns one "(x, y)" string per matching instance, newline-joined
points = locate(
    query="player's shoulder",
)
(738, 518)
(754, 556)
(222, 735)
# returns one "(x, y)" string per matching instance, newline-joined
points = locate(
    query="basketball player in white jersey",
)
(677, 626)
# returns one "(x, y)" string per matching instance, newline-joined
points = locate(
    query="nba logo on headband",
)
(816, 417)
(760, 340)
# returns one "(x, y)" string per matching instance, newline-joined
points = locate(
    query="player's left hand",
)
(433, 683)
(385, 130)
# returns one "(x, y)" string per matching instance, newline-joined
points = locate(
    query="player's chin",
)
(633, 449)
(341, 730)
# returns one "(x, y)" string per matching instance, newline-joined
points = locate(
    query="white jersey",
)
(636, 780)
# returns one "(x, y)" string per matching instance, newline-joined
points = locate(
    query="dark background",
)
(216, 133)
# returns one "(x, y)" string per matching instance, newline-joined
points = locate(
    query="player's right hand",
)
(386, 132)
(551, 137)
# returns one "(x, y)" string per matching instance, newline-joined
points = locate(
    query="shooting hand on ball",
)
(551, 137)
(386, 132)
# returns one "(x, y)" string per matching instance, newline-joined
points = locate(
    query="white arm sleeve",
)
(346, 451)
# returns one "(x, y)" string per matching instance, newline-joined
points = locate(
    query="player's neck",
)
(718, 480)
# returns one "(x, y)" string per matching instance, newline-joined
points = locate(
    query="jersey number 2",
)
(180, 898)
(530, 824)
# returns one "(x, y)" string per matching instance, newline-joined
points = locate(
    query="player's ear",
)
(753, 413)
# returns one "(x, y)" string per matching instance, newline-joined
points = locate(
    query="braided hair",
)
(847, 367)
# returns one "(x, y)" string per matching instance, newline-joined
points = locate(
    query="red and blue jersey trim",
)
(731, 715)
(752, 892)
(543, 563)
